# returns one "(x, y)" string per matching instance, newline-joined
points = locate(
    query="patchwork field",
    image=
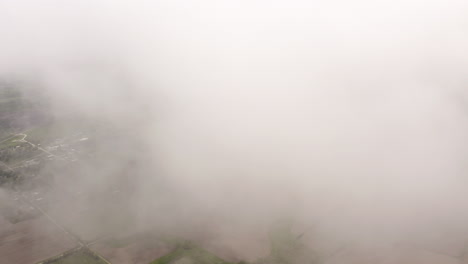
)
(77, 257)
(31, 241)
(136, 250)
(189, 253)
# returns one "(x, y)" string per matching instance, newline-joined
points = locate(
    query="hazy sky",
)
(348, 115)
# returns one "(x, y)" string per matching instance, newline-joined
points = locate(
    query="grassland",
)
(188, 252)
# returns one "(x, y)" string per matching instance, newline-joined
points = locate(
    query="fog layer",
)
(349, 117)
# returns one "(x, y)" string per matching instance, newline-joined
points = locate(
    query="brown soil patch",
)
(31, 241)
(409, 257)
(136, 252)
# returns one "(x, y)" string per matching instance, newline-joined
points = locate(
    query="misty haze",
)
(234, 132)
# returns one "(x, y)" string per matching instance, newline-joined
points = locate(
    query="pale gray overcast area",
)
(234, 131)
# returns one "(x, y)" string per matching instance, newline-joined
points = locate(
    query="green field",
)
(187, 252)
